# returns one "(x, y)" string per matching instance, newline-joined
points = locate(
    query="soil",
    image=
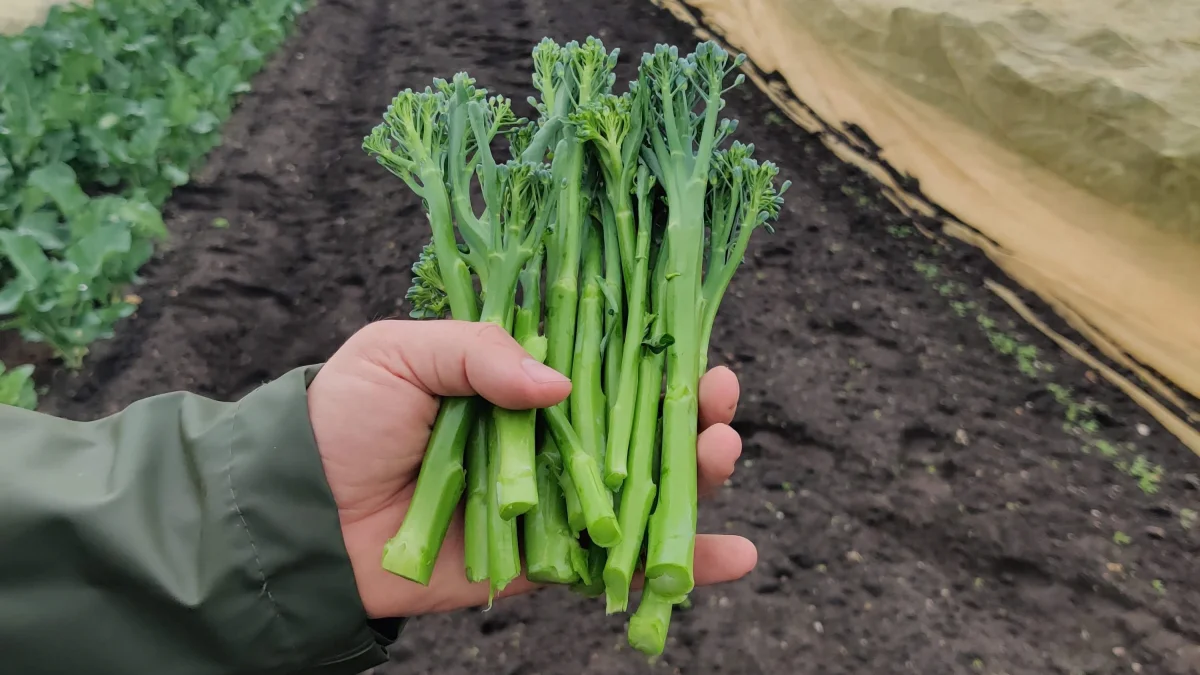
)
(917, 502)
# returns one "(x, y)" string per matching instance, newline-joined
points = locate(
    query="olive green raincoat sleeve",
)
(182, 536)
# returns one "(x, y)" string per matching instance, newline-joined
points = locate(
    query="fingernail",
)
(541, 373)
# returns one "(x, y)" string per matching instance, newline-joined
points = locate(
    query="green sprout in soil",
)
(1080, 417)
(900, 231)
(1080, 420)
(1159, 587)
(1121, 539)
(962, 309)
(1147, 475)
(950, 289)
(927, 270)
(1105, 448)
(1187, 518)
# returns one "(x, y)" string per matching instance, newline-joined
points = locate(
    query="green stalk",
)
(592, 584)
(649, 625)
(581, 466)
(413, 551)
(673, 525)
(621, 418)
(600, 326)
(552, 554)
(482, 457)
(503, 556)
(638, 493)
(746, 195)
(587, 397)
(516, 473)
(575, 517)
(621, 200)
(550, 547)
(684, 164)
(475, 527)
(516, 430)
(565, 249)
(614, 312)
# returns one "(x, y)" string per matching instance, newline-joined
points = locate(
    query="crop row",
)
(104, 110)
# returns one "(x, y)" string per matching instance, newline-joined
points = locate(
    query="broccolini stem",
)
(672, 536)
(592, 584)
(624, 400)
(719, 277)
(504, 558)
(516, 430)
(637, 495)
(587, 398)
(516, 480)
(673, 525)
(464, 304)
(552, 554)
(550, 548)
(649, 624)
(564, 250)
(575, 517)
(475, 520)
(594, 498)
(622, 204)
(614, 312)
(413, 551)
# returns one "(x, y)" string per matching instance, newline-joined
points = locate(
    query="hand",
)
(373, 404)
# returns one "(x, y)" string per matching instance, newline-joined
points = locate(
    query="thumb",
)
(461, 358)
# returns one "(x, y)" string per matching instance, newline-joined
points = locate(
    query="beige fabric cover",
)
(1063, 136)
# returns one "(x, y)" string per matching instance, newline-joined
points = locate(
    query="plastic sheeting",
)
(17, 15)
(1062, 135)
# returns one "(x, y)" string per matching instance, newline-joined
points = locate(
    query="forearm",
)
(181, 535)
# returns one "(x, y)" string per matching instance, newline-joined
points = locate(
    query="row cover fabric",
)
(17, 15)
(1063, 136)
(1104, 93)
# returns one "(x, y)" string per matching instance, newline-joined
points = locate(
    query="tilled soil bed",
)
(920, 504)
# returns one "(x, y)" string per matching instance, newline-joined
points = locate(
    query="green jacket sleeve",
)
(181, 535)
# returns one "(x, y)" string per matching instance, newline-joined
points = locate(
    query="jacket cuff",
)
(294, 534)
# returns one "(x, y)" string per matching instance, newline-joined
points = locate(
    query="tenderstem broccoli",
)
(604, 246)
(682, 143)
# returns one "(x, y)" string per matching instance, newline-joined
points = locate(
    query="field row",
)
(103, 112)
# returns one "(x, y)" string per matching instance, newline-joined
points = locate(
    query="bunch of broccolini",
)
(604, 245)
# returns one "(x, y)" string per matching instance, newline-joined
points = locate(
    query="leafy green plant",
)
(72, 256)
(103, 112)
(16, 387)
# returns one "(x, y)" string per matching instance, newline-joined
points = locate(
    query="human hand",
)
(372, 407)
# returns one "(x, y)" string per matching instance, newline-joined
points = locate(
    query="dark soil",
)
(917, 503)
